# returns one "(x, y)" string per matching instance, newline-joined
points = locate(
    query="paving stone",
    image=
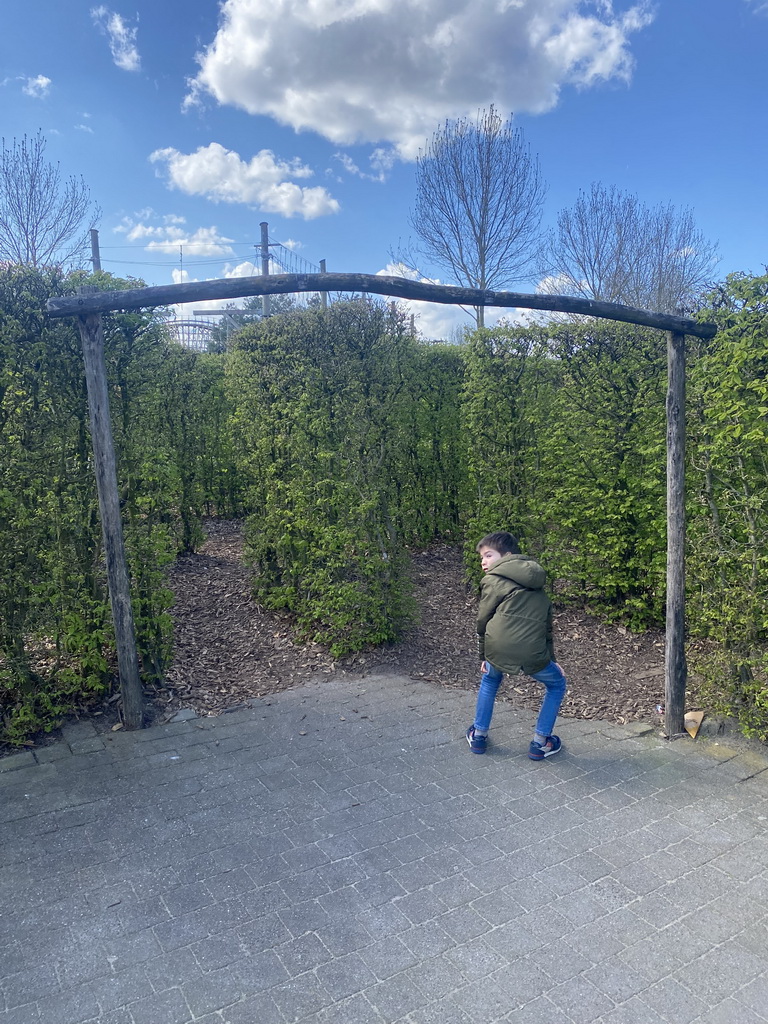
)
(212, 991)
(27, 1014)
(475, 959)
(300, 996)
(184, 715)
(731, 1010)
(263, 933)
(396, 997)
(171, 970)
(260, 1009)
(355, 1010)
(427, 940)
(303, 954)
(87, 746)
(217, 951)
(387, 957)
(720, 971)
(74, 731)
(344, 976)
(442, 1011)
(633, 1011)
(386, 919)
(71, 1006)
(12, 763)
(616, 980)
(580, 1000)
(672, 999)
(117, 989)
(30, 985)
(161, 1008)
(538, 1011)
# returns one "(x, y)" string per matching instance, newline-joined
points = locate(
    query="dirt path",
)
(227, 649)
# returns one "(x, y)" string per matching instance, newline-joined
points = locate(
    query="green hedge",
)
(56, 643)
(348, 432)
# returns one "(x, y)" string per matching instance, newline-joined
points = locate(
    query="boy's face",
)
(489, 557)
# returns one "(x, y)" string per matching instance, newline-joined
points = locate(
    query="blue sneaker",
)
(538, 751)
(477, 744)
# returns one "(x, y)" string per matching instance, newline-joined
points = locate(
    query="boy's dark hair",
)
(502, 542)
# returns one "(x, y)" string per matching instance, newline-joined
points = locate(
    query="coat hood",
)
(521, 569)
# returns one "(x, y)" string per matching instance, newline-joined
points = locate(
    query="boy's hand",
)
(483, 668)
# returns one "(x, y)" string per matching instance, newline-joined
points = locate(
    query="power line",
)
(282, 258)
(171, 241)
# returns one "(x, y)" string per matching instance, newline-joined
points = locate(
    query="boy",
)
(514, 633)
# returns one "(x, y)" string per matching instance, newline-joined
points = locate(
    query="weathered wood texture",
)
(398, 287)
(92, 336)
(675, 668)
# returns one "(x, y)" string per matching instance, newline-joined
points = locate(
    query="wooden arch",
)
(90, 303)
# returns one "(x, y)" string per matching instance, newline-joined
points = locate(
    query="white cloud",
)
(84, 128)
(168, 236)
(122, 38)
(202, 242)
(392, 70)
(559, 284)
(223, 176)
(244, 269)
(381, 161)
(36, 87)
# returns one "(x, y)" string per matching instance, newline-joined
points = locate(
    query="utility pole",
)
(95, 254)
(264, 264)
(323, 295)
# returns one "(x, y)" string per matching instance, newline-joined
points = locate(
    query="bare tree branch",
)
(479, 199)
(611, 247)
(43, 219)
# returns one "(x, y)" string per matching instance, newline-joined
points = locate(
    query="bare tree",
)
(43, 219)
(479, 199)
(609, 246)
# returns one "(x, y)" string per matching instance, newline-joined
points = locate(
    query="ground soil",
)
(228, 649)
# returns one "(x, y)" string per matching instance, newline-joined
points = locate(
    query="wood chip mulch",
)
(228, 649)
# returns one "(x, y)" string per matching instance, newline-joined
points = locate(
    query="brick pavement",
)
(336, 853)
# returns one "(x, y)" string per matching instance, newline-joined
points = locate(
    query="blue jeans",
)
(551, 676)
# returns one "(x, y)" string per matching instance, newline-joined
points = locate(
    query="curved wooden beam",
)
(397, 287)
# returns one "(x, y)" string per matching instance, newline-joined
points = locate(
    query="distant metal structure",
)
(276, 258)
(283, 260)
(192, 334)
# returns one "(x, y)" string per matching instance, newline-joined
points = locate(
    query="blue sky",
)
(193, 122)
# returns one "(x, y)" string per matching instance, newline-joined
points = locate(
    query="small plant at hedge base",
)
(736, 687)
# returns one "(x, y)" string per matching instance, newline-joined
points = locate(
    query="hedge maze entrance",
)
(90, 303)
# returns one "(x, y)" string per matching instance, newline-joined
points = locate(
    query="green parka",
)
(514, 618)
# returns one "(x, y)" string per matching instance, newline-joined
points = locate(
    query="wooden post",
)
(92, 336)
(264, 264)
(323, 295)
(675, 669)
